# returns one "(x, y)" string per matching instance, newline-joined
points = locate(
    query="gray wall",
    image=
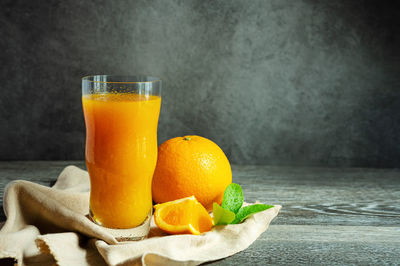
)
(272, 82)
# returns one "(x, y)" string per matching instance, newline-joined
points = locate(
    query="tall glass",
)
(121, 116)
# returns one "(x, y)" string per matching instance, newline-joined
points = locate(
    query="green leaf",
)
(222, 216)
(247, 211)
(233, 198)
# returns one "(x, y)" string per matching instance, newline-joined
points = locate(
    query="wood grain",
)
(329, 215)
(325, 195)
(321, 245)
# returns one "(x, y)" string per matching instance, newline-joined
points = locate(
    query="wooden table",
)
(329, 215)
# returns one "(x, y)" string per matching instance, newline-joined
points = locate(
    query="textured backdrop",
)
(272, 82)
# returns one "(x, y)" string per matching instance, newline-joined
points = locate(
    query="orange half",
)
(182, 216)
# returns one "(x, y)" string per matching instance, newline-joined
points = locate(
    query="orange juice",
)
(121, 155)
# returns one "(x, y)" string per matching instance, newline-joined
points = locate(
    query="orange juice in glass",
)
(121, 116)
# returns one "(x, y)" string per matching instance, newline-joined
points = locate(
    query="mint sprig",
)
(231, 210)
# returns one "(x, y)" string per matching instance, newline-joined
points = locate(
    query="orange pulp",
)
(183, 216)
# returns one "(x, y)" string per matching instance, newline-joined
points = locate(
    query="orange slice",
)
(182, 216)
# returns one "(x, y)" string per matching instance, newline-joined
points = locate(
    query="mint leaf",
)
(247, 211)
(222, 216)
(231, 210)
(233, 198)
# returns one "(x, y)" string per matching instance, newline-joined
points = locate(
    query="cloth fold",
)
(50, 225)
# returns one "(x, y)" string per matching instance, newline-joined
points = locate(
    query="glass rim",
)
(152, 79)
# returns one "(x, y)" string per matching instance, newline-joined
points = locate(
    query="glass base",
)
(131, 234)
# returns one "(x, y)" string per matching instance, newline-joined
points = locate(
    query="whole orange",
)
(191, 165)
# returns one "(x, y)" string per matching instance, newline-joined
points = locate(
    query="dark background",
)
(312, 83)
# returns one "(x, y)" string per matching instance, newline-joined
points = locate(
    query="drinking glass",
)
(121, 116)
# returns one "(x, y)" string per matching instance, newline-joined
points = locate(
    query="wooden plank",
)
(330, 215)
(332, 196)
(352, 196)
(321, 245)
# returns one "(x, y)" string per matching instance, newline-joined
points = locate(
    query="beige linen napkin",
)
(49, 225)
